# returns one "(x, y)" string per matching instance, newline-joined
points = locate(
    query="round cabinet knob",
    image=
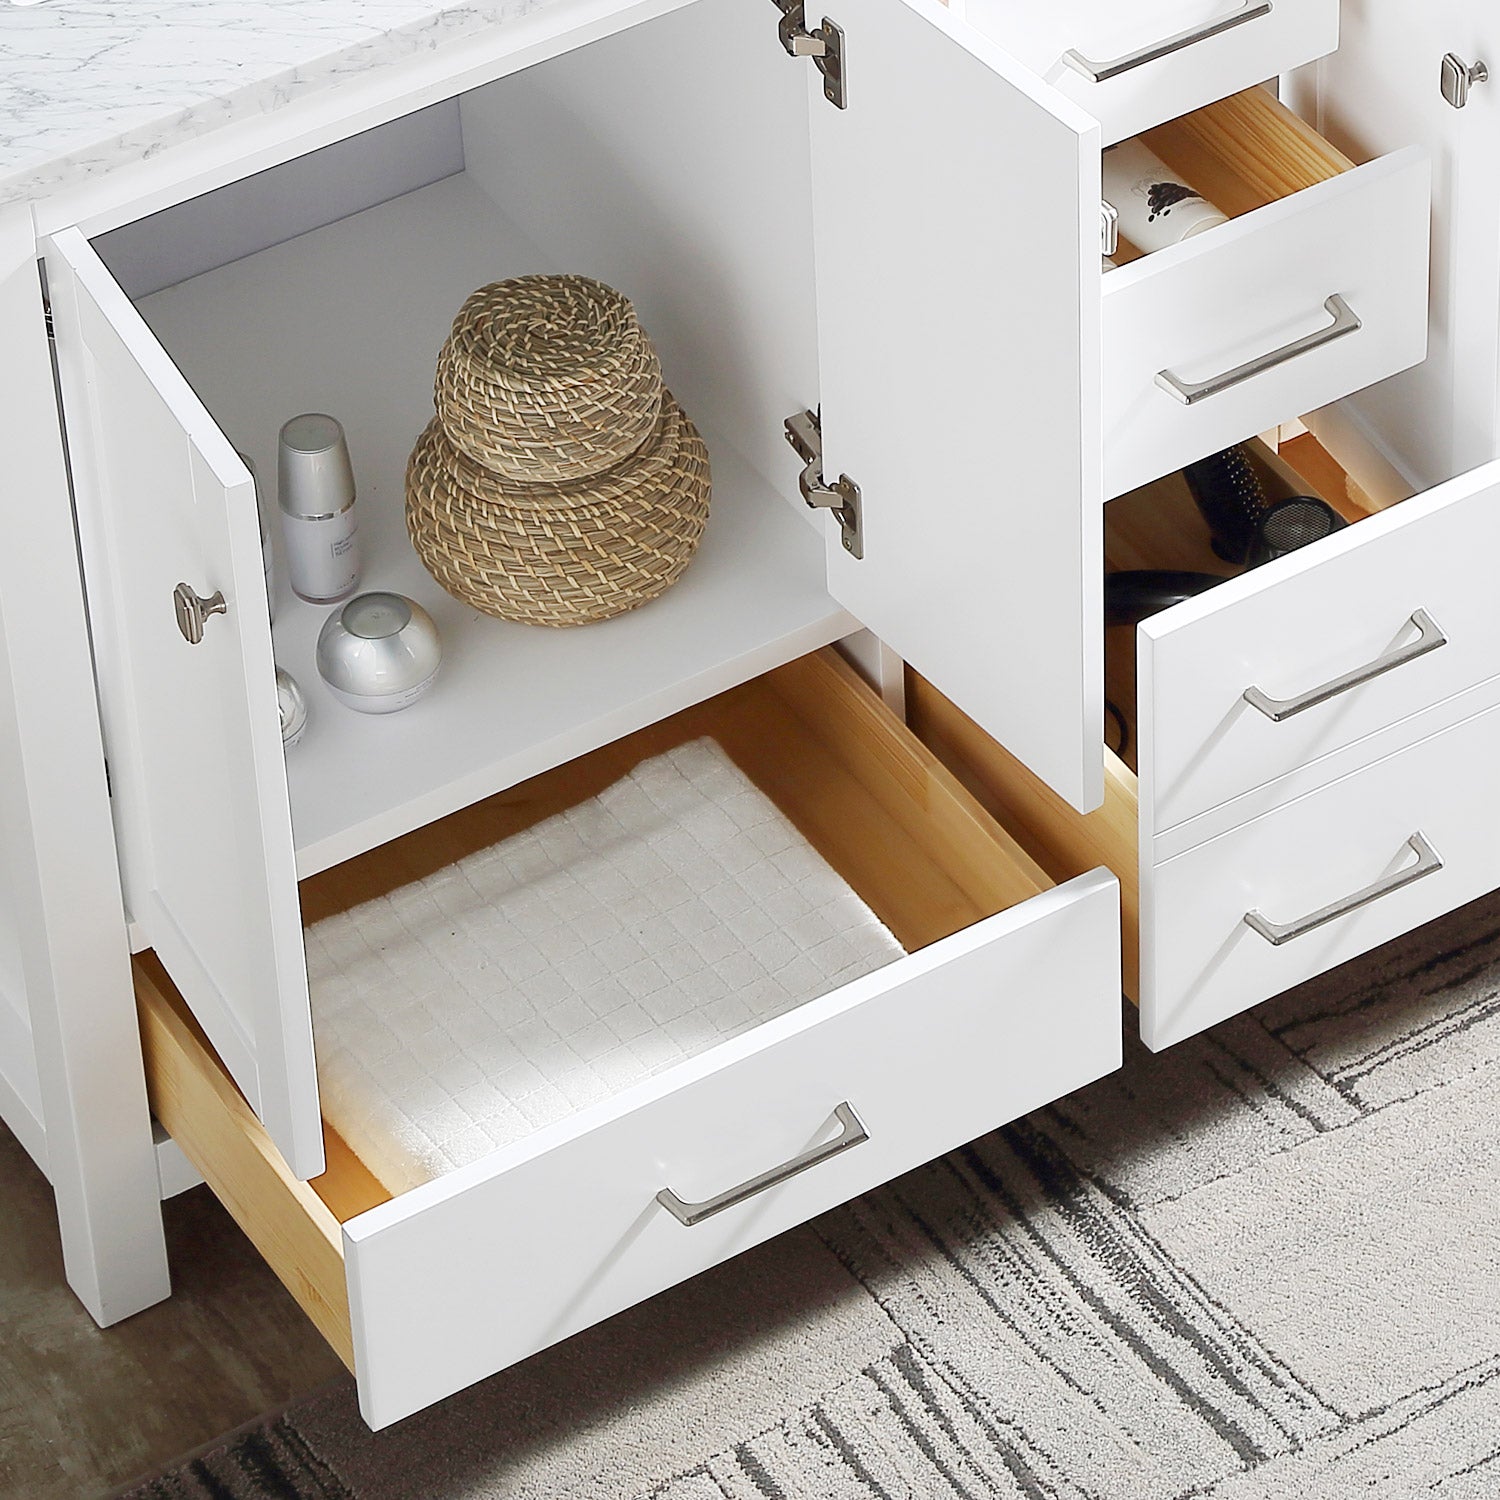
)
(193, 611)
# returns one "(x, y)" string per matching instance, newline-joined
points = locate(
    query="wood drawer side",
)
(285, 1219)
(1064, 841)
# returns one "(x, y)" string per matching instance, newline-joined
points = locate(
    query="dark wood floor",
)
(85, 1410)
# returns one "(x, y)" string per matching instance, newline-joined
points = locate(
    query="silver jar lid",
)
(377, 645)
(314, 478)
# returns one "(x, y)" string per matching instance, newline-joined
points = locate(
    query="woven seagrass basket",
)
(559, 482)
(548, 378)
(560, 554)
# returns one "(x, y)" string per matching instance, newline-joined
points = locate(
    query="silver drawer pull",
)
(1429, 638)
(1102, 72)
(1429, 862)
(1345, 320)
(853, 1134)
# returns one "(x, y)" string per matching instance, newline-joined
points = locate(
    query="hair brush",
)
(1247, 528)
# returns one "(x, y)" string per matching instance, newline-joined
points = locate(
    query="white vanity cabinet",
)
(900, 235)
(739, 211)
(783, 250)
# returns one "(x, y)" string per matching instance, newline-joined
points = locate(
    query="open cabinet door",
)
(192, 729)
(957, 240)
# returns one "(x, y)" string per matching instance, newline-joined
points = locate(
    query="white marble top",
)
(88, 84)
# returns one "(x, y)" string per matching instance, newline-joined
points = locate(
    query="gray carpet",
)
(1265, 1263)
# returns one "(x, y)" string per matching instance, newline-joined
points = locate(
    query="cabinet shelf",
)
(348, 319)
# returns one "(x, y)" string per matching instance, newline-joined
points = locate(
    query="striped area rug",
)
(1265, 1263)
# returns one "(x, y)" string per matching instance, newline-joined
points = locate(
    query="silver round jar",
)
(379, 653)
(293, 708)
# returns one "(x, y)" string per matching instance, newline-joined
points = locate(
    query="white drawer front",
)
(1134, 66)
(1256, 292)
(1355, 845)
(1337, 619)
(466, 1275)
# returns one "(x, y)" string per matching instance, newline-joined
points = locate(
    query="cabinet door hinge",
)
(825, 46)
(804, 431)
(47, 318)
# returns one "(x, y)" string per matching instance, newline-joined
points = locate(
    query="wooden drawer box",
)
(1316, 288)
(1008, 999)
(1132, 67)
(1288, 663)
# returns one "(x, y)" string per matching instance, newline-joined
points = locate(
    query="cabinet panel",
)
(72, 1088)
(956, 212)
(192, 729)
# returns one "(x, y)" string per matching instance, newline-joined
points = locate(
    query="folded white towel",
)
(676, 909)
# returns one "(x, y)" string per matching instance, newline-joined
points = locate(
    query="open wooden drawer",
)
(1315, 288)
(1008, 999)
(1133, 66)
(1371, 810)
(1285, 665)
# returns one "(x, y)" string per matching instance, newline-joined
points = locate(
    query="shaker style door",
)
(957, 243)
(166, 512)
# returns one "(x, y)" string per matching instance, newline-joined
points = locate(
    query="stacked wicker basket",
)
(559, 482)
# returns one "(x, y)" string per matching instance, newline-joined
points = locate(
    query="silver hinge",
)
(825, 46)
(47, 318)
(804, 431)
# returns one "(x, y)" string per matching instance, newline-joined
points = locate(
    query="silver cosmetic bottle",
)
(315, 490)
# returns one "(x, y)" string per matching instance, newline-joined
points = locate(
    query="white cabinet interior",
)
(702, 209)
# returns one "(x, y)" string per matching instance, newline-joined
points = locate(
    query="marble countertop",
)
(86, 85)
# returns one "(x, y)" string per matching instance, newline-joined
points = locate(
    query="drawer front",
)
(1296, 304)
(1327, 877)
(1330, 645)
(1133, 66)
(466, 1275)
